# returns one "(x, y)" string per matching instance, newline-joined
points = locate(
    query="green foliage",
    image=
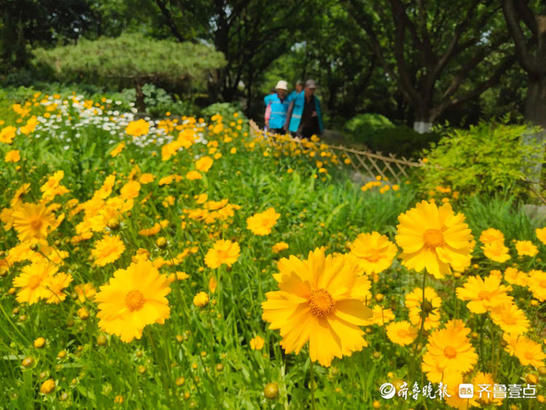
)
(488, 158)
(226, 110)
(368, 123)
(378, 133)
(132, 58)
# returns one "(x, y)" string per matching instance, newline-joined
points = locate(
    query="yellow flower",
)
(431, 307)
(261, 223)
(39, 342)
(33, 221)
(380, 316)
(203, 164)
(201, 299)
(402, 333)
(279, 247)
(510, 318)
(491, 235)
(449, 351)
(373, 251)
(130, 190)
(541, 234)
(85, 292)
(537, 284)
(138, 128)
(484, 398)
(12, 156)
(133, 298)
(435, 239)
(33, 282)
(223, 252)
(146, 178)
(528, 352)
(484, 294)
(193, 175)
(496, 251)
(515, 277)
(48, 386)
(117, 150)
(526, 248)
(320, 301)
(56, 285)
(107, 250)
(257, 343)
(7, 134)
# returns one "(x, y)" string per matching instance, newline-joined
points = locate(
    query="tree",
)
(531, 53)
(133, 59)
(441, 53)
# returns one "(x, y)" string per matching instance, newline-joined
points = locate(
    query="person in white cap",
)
(277, 105)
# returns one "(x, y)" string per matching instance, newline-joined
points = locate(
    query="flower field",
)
(183, 263)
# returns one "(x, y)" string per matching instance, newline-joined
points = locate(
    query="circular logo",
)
(387, 390)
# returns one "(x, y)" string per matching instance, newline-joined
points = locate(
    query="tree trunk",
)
(423, 119)
(535, 104)
(140, 104)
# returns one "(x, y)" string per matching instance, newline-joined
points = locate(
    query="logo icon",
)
(466, 391)
(387, 390)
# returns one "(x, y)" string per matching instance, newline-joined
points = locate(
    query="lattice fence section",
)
(391, 167)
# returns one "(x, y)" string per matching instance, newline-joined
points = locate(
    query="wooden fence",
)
(365, 162)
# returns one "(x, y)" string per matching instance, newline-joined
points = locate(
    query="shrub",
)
(226, 110)
(366, 124)
(488, 158)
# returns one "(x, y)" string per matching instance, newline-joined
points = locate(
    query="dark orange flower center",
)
(484, 294)
(450, 352)
(36, 224)
(543, 284)
(510, 319)
(321, 303)
(134, 300)
(374, 255)
(34, 281)
(433, 238)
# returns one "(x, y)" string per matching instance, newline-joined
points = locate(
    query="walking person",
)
(298, 88)
(304, 117)
(278, 106)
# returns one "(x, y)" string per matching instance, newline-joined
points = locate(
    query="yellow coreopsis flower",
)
(510, 318)
(201, 299)
(496, 251)
(380, 316)
(130, 190)
(491, 235)
(261, 223)
(541, 234)
(257, 343)
(320, 301)
(515, 277)
(7, 134)
(107, 250)
(117, 149)
(537, 284)
(134, 298)
(484, 294)
(33, 221)
(449, 351)
(526, 248)
(12, 156)
(223, 252)
(33, 282)
(431, 307)
(138, 128)
(279, 247)
(56, 286)
(402, 333)
(526, 350)
(373, 251)
(203, 164)
(434, 238)
(193, 175)
(484, 399)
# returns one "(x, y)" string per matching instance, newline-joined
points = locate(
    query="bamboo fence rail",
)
(367, 162)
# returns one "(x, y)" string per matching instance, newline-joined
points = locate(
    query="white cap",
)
(282, 85)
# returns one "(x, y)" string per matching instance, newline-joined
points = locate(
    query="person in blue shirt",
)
(277, 105)
(304, 117)
(297, 89)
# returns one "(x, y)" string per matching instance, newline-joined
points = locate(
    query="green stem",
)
(312, 383)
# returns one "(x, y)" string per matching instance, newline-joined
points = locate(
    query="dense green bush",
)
(378, 133)
(488, 158)
(226, 110)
